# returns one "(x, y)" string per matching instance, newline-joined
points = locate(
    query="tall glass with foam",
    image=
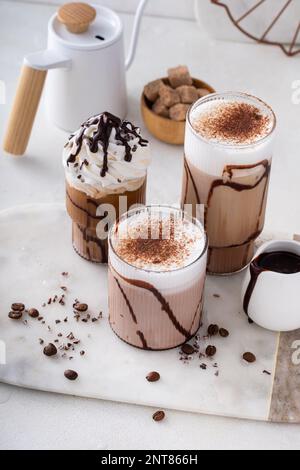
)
(227, 163)
(157, 269)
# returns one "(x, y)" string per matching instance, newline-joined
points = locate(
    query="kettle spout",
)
(135, 33)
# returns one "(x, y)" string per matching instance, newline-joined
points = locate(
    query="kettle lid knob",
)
(76, 16)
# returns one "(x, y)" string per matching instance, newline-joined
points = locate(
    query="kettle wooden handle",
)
(24, 109)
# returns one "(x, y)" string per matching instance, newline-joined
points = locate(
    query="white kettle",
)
(85, 59)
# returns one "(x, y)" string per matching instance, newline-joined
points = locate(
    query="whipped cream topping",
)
(106, 155)
(159, 241)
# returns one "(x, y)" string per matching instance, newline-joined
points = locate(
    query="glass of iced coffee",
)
(157, 269)
(105, 163)
(227, 163)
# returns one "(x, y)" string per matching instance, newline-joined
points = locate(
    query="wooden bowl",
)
(165, 129)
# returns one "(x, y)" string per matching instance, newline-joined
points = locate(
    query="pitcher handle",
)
(26, 102)
(135, 33)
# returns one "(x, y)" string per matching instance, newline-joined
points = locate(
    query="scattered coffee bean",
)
(210, 351)
(80, 307)
(249, 357)
(18, 307)
(33, 313)
(71, 374)
(158, 415)
(224, 333)
(50, 350)
(153, 376)
(15, 315)
(213, 330)
(187, 349)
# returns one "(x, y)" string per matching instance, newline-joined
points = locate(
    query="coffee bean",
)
(158, 415)
(224, 333)
(249, 357)
(18, 307)
(187, 349)
(15, 315)
(210, 351)
(71, 374)
(50, 350)
(153, 376)
(213, 330)
(33, 313)
(81, 307)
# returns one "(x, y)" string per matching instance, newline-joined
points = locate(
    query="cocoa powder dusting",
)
(239, 123)
(155, 251)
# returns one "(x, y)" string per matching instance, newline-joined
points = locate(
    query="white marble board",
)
(35, 248)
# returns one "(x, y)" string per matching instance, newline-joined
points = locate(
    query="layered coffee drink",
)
(157, 269)
(228, 154)
(106, 163)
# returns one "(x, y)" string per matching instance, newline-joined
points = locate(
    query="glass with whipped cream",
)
(157, 270)
(227, 163)
(105, 163)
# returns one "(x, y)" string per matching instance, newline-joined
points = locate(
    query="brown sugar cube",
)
(202, 92)
(178, 112)
(188, 94)
(160, 109)
(179, 76)
(151, 90)
(168, 96)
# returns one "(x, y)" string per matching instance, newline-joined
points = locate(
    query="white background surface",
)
(35, 420)
(169, 8)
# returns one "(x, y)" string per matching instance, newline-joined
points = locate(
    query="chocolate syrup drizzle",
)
(236, 187)
(164, 304)
(125, 131)
(281, 262)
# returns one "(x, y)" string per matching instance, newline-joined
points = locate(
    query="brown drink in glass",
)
(228, 155)
(106, 163)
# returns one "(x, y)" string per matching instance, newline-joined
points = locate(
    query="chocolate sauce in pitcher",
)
(282, 262)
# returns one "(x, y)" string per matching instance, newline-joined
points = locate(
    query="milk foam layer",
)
(158, 242)
(211, 155)
(232, 121)
(83, 166)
